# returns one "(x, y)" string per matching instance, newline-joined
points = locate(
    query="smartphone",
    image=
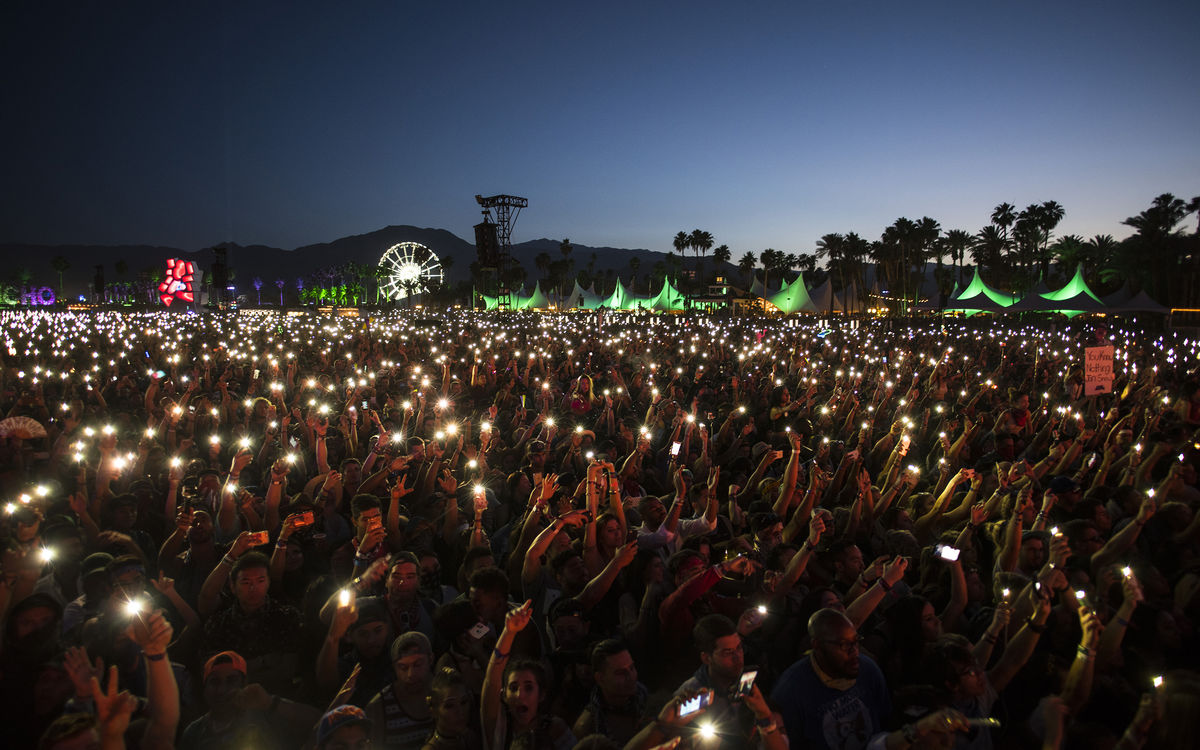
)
(479, 630)
(746, 684)
(364, 405)
(946, 552)
(256, 372)
(481, 502)
(304, 519)
(689, 707)
(675, 448)
(259, 538)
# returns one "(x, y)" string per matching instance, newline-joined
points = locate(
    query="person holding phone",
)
(264, 631)
(739, 712)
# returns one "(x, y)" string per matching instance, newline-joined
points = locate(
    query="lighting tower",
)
(493, 241)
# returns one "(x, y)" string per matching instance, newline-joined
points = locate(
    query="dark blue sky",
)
(766, 123)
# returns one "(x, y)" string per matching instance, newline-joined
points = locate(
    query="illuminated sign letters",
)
(178, 282)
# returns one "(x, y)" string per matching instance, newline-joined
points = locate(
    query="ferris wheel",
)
(412, 269)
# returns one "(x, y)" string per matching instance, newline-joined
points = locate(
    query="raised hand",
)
(81, 670)
(152, 632)
(516, 620)
(400, 488)
(113, 708)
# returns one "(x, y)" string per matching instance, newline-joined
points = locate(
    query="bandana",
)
(835, 683)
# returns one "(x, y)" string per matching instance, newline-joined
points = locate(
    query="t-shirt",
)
(979, 738)
(817, 716)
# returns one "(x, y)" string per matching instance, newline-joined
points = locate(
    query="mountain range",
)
(271, 263)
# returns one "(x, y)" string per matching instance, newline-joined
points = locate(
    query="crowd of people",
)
(464, 530)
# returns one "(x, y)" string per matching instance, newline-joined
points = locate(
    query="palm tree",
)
(280, 283)
(831, 249)
(700, 242)
(746, 266)
(898, 249)
(60, 264)
(1003, 217)
(155, 274)
(987, 249)
(634, 264)
(565, 248)
(258, 285)
(1160, 219)
(542, 261)
(770, 259)
(381, 274)
(681, 242)
(955, 243)
(722, 254)
(1166, 257)
(928, 232)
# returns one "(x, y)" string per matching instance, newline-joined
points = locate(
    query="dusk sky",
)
(766, 123)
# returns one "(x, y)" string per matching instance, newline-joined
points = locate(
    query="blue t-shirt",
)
(817, 716)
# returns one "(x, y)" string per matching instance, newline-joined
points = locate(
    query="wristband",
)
(1034, 626)
(1122, 622)
(883, 584)
(1084, 651)
(155, 657)
(497, 653)
(227, 560)
(991, 639)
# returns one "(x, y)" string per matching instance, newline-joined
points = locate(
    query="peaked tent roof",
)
(575, 298)
(537, 299)
(793, 297)
(618, 300)
(668, 298)
(967, 300)
(1073, 288)
(822, 297)
(1121, 296)
(581, 298)
(1140, 302)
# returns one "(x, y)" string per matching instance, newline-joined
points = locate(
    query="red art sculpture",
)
(178, 282)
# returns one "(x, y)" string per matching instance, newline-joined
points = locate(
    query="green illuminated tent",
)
(667, 299)
(793, 297)
(536, 300)
(618, 300)
(979, 297)
(1073, 288)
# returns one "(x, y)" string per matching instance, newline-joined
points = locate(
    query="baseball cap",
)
(335, 719)
(97, 562)
(759, 449)
(371, 609)
(225, 657)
